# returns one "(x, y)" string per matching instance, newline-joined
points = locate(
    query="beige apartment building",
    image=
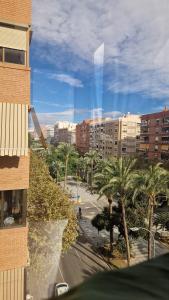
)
(65, 132)
(117, 138)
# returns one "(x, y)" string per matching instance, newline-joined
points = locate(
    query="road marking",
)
(61, 274)
(78, 255)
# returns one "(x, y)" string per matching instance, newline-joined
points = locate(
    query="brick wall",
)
(17, 11)
(82, 137)
(13, 248)
(14, 84)
(14, 173)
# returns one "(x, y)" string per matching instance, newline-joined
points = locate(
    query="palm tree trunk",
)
(150, 225)
(66, 165)
(126, 232)
(111, 228)
(91, 183)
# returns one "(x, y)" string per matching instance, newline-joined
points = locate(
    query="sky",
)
(99, 58)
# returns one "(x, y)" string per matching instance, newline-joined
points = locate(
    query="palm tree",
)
(152, 182)
(81, 167)
(121, 183)
(57, 166)
(66, 151)
(91, 158)
(101, 181)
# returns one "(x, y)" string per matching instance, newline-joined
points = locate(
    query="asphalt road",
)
(79, 263)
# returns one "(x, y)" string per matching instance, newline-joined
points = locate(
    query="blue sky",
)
(99, 58)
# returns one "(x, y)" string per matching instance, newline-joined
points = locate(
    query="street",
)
(90, 207)
(82, 261)
(79, 263)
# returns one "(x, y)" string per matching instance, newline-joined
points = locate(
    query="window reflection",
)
(12, 208)
(14, 56)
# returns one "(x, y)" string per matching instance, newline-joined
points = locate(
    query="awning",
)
(12, 38)
(144, 146)
(165, 147)
(13, 129)
(12, 284)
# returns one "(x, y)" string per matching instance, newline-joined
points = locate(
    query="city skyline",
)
(135, 64)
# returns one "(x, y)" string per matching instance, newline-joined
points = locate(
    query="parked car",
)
(61, 288)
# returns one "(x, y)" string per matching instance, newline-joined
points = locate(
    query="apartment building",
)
(15, 38)
(65, 132)
(155, 135)
(109, 137)
(116, 137)
(129, 134)
(83, 136)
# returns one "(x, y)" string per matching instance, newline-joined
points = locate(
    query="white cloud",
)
(99, 55)
(47, 103)
(135, 34)
(66, 115)
(69, 115)
(67, 79)
(113, 114)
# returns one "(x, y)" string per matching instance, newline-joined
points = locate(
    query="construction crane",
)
(37, 126)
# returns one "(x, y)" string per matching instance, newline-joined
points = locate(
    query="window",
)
(124, 149)
(156, 147)
(12, 208)
(1, 53)
(156, 138)
(14, 56)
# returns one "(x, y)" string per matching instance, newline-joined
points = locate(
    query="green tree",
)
(152, 182)
(47, 203)
(101, 181)
(121, 184)
(66, 151)
(91, 159)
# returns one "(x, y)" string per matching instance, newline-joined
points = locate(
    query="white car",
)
(61, 288)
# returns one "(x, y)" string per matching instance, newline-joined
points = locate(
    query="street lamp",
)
(135, 229)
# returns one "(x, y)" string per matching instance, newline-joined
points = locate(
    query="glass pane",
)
(1, 53)
(14, 56)
(13, 208)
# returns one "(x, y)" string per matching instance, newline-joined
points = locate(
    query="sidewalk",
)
(90, 207)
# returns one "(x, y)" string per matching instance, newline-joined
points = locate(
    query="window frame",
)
(7, 62)
(23, 213)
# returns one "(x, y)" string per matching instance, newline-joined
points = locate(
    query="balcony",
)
(144, 123)
(166, 121)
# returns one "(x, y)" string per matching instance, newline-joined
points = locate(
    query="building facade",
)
(15, 38)
(116, 137)
(83, 136)
(65, 132)
(109, 137)
(155, 135)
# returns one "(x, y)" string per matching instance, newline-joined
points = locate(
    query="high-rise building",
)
(15, 37)
(155, 135)
(110, 137)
